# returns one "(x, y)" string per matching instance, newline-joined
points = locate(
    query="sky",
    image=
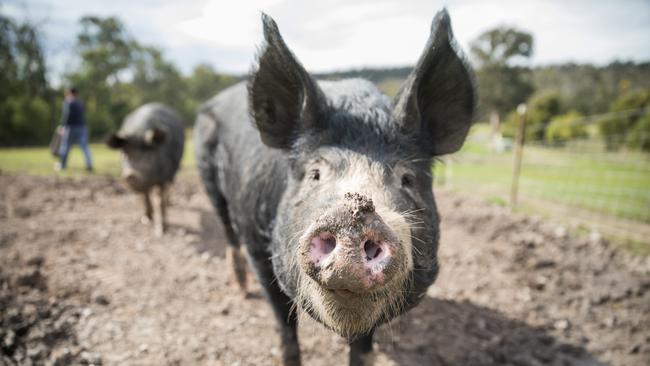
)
(344, 34)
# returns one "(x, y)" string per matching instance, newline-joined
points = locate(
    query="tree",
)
(158, 80)
(115, 74)
(203, 84)
(502, 85)
(25, 97)
(565, 127)
(501, 45)
(621, 128)
(106, 51)
(639, 136)
(591, 89)
(105, 48)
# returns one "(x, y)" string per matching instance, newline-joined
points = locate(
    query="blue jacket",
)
(73, 113)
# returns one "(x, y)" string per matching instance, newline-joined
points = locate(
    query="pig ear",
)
(115, 141)
(438, 99)
(154, 136)
(284, 100)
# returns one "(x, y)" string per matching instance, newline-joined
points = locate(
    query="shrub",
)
(639, 136)
(615, 129)
(541, 109)
(565, 127)
(27, 121)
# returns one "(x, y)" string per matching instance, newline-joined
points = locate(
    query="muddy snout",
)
(132, 178)
(351, 249)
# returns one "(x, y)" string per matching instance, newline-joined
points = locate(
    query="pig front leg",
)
(361, 353)
(148, 209)
(286, 318)
(234, 253)
(161, 198)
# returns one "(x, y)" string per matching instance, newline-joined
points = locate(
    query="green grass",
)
(616, 184)
(39, 161)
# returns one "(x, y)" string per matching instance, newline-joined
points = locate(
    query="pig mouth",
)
(350, 299)
(344, 297)
(351, 313)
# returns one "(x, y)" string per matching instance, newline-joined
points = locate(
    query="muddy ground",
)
(83, 282)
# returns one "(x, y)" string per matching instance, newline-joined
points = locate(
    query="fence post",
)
(519, 148)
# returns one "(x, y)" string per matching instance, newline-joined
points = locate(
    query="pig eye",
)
(407, 181)
(314, 174)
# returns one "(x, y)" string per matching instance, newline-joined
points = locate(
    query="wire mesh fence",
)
(576, 180)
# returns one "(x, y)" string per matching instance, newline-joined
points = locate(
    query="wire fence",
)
(577, 181)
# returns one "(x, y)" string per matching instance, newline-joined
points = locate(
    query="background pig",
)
(328, 184)
(151, 139)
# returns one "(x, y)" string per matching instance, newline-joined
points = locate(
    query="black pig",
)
(151, 139)
(329, 184)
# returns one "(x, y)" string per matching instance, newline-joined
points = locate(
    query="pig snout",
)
(130, 176)
(349, 263)
(352, 250)
(133, 178)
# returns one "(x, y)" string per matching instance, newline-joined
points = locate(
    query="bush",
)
(639, 136)
(541, 109)
(615, 129)
(565, 127)
(26, 121)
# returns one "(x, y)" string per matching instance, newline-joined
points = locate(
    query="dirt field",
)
(83, 282)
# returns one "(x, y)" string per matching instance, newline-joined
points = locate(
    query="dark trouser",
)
(72, 135)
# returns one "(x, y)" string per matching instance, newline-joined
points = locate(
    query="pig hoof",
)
(238, 267)
(239, 287)
(145, 220)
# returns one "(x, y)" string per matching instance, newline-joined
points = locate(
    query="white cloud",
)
(341, 34)
(224, 24)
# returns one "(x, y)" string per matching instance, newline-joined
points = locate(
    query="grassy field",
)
(613, 184)
(580, 185)
(576, 184)
(39, 161)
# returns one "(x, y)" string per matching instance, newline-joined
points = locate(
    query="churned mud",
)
(83, 282)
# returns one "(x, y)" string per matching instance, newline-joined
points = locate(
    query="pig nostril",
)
(372, 249)
(321, 246)
(329, 242)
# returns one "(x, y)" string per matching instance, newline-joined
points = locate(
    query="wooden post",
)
(519, 148)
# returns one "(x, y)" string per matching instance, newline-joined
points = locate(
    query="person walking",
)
(74, 129)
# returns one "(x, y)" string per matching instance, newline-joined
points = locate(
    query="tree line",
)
(115, 73)
(561, 98)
